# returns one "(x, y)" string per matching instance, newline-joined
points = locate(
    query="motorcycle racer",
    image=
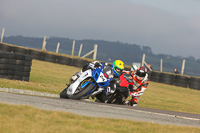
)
(110, 71)
(122, 89)
(140, 83)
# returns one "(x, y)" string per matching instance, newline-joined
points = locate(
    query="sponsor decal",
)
(85, 75)
(70, 90)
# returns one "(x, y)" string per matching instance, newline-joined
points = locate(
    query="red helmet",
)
(141, 73)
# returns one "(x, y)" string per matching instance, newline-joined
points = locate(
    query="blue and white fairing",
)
(99, 80)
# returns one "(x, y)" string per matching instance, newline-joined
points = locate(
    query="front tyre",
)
(63, 94)
(83, 92)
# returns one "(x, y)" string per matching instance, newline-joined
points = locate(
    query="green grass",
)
(51, 78)
(168, 97)
(26, 119)
(44, 77)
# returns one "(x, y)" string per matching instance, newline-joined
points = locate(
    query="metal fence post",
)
(80, 49)
(73, 46)
(44, 44)
(3, 30)
(95, 52)
(143, 59)
(57, 49)
(161, 65)
(183, 66)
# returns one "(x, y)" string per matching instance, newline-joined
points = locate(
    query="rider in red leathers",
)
(139, 84)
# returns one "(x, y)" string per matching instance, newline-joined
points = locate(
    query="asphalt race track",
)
(103, 110)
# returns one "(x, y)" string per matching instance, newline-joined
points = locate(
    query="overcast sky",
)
(167, 26)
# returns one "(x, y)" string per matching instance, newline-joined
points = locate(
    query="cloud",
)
(113, 20)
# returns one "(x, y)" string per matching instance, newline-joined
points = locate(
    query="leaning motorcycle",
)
(90, 83)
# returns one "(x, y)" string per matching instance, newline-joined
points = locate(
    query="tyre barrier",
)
(50, 58)
(64, 60)
(38, 55)
(181, 80)
(79, 62)
(5, 48)
(194, 83)
(19, 50)
(15, 66)
(149, 74)
(167, 78)
(175, 79)
(155, 76)
(7, 61)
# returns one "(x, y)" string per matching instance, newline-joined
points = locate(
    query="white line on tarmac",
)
(153, 113)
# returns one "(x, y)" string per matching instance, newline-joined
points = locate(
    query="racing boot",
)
(133, 103)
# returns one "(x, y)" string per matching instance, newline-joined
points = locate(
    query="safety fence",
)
(155, 76)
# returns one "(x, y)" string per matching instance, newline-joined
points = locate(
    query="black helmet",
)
(141, 73)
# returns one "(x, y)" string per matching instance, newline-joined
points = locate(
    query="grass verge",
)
(23, 119)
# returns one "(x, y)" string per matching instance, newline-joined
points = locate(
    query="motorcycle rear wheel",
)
(112, 99)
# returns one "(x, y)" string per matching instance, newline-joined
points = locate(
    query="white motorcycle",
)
(90, 83)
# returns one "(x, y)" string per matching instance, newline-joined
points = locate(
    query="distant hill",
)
(110, 51)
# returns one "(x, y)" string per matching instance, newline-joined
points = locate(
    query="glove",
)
(97, 64)
(94, 64)
(110, 90)
(130, 94)
(133, 94)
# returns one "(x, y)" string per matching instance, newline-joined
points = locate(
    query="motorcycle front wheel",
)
(63, 94)
(83, 92)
